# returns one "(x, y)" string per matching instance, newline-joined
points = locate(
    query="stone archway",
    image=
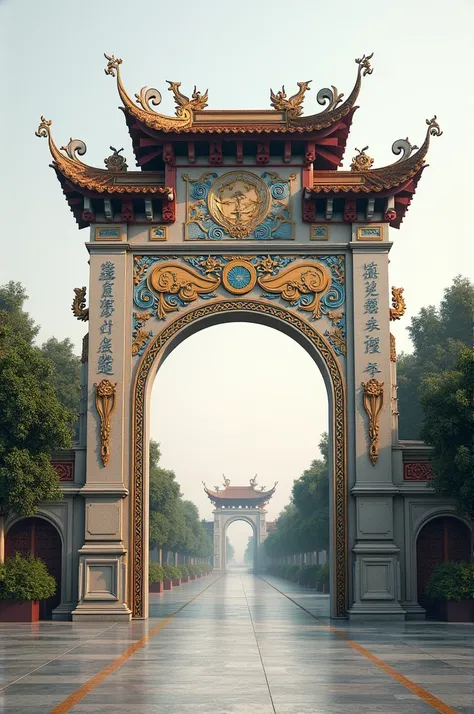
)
(226, 519)
(322, 353)
(442, 538)
(39, 537)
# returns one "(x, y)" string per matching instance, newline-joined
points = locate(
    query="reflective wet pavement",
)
(239, 647)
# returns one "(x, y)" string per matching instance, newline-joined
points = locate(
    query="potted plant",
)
(24, 581)
(172, 576)
(451, 586)
(156, 578)
(183, 569)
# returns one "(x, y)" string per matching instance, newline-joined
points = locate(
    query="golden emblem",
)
(239, 202)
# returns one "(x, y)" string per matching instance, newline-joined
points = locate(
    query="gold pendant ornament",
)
(105, 404)
(373, 403)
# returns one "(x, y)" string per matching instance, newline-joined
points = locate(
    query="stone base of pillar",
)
(108, 613)
(64, 611)
(414, 611)
(392, 612)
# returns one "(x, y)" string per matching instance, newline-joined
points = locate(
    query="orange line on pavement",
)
(92, 683)
(423, 694)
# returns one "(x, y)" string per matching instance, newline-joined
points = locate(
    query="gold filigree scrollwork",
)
(105, 393)
(362, 161)
(393, 348)
(181, 281)
(183, 103)
(373, 403)
(79, 309)
(364, 64)
(296, 281)
(292, 105)
(140, 335)
(154, 353)
(398, 304)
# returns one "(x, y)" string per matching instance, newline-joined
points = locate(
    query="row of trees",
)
(436, 387)
(39, 393)
(39, 400)
(174, 522)
(303, 525)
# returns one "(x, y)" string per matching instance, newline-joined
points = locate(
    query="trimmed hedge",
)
(25, 578)
(171, 572)
(309, 575)
(451, 581)
(155, 573)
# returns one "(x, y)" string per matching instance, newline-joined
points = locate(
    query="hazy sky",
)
(261, 394)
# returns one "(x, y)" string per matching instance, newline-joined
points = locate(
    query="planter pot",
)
(14, 611)
(456, 610)
(185, 578)
(156, 587)
(168, 584)
(176, 582)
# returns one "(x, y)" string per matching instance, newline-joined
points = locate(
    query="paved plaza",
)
(237, 644)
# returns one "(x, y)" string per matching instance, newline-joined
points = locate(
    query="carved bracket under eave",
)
(373, 403)
(79, 309)
(105, 393)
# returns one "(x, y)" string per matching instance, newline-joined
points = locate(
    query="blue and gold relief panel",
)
(239, 205)
(309, 284)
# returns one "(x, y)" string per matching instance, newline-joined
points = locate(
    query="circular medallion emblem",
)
(239, 277)
(239, 201)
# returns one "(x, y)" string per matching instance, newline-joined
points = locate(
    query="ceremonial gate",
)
(238, 216)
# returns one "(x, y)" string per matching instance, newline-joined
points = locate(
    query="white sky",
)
(236, 399)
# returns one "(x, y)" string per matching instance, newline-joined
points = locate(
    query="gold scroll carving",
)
(398, 304)
(78, 307)
(238, 277)
(105, 393)
(373, 403)
(179, 280)
(295, 281)
(393, 348)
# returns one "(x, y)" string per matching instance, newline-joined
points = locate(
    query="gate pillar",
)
(375, 564)
(103, 587)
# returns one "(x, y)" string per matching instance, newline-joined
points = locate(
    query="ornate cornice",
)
(191, 116)
(98, 180)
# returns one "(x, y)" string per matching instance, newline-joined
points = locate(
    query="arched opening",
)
(38, 537)
(190, 323)
(443, 538)
(241, 536)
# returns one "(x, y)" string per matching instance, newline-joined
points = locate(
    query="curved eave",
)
(103, 182)
(204, 121)
(258, 497)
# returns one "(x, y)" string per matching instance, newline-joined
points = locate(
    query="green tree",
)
(66, 374)
(229, 550)
(12, 299)
(448, 426)
(438, 336)
(249, 551)
(174, 523)
(303, 525)
(33, 423)
(311, 498)
(166, 523)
